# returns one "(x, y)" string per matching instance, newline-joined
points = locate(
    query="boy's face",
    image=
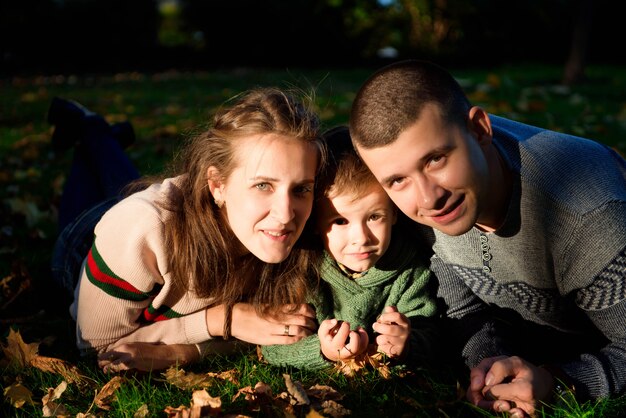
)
(357, 233)
(436, 173)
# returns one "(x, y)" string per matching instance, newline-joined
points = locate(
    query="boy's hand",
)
(338, 342)
(394, 329)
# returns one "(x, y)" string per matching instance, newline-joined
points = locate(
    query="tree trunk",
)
(577, 60)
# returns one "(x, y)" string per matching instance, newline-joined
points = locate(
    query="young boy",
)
(373, 289)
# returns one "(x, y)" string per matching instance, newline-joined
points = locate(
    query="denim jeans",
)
(100, 170)
(73, 244)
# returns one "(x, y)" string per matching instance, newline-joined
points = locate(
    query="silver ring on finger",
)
(286, 332)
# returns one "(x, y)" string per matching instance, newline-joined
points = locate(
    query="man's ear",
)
(479, 125)
(216, 186)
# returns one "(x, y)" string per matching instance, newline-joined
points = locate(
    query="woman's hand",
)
(337, 342)
(147, 356)
(394, 329)
(247, 325)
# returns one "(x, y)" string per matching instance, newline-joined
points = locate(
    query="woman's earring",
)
(219, 203)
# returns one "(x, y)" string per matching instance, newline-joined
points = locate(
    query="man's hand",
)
(509, 384)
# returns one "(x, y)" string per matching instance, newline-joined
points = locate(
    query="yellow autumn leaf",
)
(350, 367)
(228, 375)
(142, 412)
(370, 357)
(18, 394)
(312, 413)
(379, 362)
(17, 351)
(183, 380)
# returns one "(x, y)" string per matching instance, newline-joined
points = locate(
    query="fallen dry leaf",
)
(323, 392)
(202, 405)
(261, 400)
(377, 361)
(324, 400)
(334, 409)
(206, 403)
(183, 380)
(179, 412)
(250, 394)
(17, 351)
(246, 391)
(18, 394)
(68, 371)
(107, 393)
(50, 407)
(349, 367)
(228, 375)
(312, 413)
(296, 390)
(142, 412)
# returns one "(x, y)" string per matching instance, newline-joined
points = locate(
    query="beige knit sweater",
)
(125, 292)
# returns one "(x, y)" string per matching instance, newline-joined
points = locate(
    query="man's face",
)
(435, 172)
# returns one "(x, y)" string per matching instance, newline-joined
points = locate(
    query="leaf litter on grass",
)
(317, 401)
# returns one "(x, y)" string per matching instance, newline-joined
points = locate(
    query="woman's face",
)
(269, 195)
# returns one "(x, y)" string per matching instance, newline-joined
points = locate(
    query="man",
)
(528, 231)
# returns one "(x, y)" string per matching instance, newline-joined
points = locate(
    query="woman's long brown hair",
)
(201, 242)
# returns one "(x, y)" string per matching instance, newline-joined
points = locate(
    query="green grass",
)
(166, 107)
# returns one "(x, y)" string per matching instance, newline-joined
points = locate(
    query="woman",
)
(211, 251)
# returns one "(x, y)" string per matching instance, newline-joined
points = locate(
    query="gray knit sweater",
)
(559, 260)
(399, 279)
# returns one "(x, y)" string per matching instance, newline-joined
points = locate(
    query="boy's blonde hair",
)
(345, 172)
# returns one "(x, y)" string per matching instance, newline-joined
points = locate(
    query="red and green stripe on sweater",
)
(104, 278)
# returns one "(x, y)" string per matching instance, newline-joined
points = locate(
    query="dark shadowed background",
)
(77, 36)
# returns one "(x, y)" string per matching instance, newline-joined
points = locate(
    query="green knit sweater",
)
(399, 279)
